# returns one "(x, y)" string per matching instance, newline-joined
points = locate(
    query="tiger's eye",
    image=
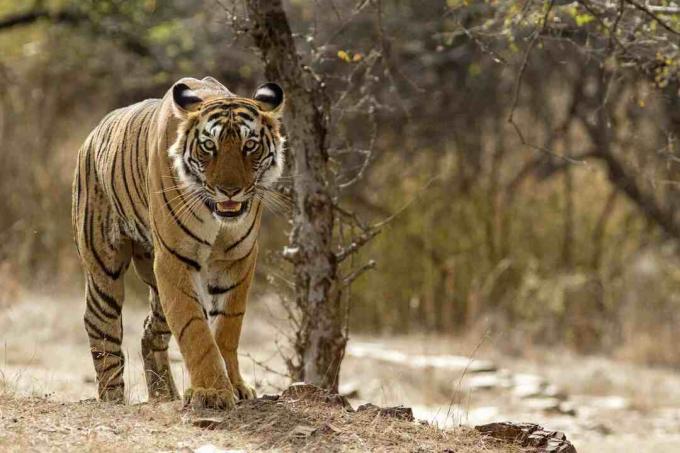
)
(209, 145)
(250, 145)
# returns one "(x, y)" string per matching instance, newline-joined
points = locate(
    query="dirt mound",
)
(302, 418)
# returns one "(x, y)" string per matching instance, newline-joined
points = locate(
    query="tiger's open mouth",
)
(230, 209)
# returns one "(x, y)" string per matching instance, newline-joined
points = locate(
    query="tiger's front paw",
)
(244, 391)
(209, 398)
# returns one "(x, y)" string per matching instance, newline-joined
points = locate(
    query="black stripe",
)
(178, 222)
(123, 149)
(159, 316)
(190, 296)
(187, 171)
(113, 365)
(115, 376)
(235, 262)
(223, 113)
(108, 299)
(97, 311)
(188, 323)
(102, 335)
(215, 290)
(89, 224)
(188, 261)
(250, 229)
(250, 108)
(245, 116)
(116, 201)
(160, 332)
(99, 355)
(137, 175)
(214, 313)
(143, 170)
(191, 208)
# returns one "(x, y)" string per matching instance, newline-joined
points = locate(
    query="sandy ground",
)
(602, 405)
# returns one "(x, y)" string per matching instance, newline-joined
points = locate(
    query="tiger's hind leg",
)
(105, 265)
(103, 323)
(159, 380)
(105, 256)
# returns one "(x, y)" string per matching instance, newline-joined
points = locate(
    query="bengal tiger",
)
(177, 186)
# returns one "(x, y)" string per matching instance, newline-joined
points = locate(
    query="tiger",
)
(177, 186)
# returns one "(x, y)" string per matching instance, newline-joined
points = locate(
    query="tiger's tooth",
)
(229, 206)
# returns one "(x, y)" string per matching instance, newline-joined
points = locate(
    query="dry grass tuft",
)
(282, 424)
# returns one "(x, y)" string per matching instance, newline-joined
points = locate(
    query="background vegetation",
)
(524, 156)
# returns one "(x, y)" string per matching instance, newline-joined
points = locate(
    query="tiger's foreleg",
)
(210, 385)
(228, 322)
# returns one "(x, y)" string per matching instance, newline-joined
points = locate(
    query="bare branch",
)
(653, 16)
(356, 244)
(358, 272)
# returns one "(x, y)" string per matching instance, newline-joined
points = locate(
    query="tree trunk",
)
(320, 343)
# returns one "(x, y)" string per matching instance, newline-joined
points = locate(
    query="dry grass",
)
(286, 425)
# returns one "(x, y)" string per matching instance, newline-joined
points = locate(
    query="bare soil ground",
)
(40, 424)
(46, 379)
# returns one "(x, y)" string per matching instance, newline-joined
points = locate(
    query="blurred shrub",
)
(486, 231)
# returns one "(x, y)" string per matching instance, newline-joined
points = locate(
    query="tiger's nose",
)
(230, 191)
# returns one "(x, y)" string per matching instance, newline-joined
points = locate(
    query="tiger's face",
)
(229, 151)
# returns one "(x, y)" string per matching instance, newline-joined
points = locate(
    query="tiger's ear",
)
(270, 98)
(185, 100)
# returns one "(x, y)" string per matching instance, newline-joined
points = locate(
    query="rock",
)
(537, 390)
(485, 380)
(521, 379)
(528, 435)
(400, 412)
(376, 351)
(567, 408)
(543, 404)
(612, 402)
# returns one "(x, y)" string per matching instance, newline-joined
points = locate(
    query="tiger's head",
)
(229, 149)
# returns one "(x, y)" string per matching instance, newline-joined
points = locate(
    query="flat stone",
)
(528, 435)
(484, 381)
(543, 404)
